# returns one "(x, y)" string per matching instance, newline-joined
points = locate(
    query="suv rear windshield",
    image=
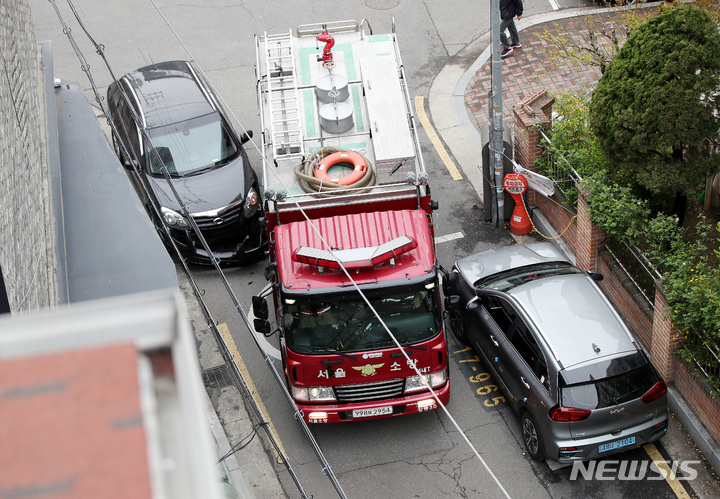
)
(611, 391)
(505, 281)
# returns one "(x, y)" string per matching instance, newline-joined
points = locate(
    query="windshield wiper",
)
(412, 347)
(416, 347)
(337, 352)
(520, 272)
(198, 171)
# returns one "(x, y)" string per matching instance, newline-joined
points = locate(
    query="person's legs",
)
(514, 37)
(503, 37)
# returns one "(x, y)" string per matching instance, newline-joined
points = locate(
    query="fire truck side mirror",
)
(450, 284)
(269, 271)
(287, 321)
(452, 302)
(262, 326)
(260, 307)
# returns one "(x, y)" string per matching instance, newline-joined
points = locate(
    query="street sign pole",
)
(495, 112)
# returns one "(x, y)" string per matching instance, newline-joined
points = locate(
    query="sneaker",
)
(506, 52)
(516, 45)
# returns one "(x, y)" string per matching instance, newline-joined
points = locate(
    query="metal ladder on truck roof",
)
(283, 100)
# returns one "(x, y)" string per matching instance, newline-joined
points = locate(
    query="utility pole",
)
(495, 113)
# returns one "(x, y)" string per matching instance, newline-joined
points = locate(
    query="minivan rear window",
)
(611, 391)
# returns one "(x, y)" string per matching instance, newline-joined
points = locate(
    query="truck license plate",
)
(377, 411)
(617, 444)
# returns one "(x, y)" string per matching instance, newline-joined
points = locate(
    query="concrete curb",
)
(237, 479)
(694, 427)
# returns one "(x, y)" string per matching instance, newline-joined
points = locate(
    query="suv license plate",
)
(616, 444)
(377, 411)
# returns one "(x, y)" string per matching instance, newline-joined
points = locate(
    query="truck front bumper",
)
(411, 404)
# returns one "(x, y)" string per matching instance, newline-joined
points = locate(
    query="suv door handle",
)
(492, 338)
(524, 382)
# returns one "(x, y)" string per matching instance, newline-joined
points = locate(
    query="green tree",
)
(594, 39)
(572, 145)
(656, 109)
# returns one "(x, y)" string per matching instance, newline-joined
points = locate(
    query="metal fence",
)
(705, 353)
(638, 268)
(631, 259)
(562, 173)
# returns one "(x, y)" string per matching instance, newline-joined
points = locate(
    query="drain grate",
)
(217, 377)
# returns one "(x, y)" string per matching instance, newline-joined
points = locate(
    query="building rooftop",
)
(104, 399)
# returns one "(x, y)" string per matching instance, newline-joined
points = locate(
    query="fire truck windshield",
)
(348, 324)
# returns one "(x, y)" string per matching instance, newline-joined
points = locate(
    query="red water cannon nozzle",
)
(329, 41)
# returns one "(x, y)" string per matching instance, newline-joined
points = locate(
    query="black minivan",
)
(167, 114)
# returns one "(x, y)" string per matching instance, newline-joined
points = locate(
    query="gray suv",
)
(567, 363)
(167, 114)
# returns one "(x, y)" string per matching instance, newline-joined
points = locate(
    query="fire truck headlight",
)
(321, 394)
(299, 393)
(419, 383)
(313, 394)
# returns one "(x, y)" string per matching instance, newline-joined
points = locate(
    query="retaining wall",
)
(26, 238)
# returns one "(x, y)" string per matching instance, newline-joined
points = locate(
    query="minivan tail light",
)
(658, 390)
(569, 414)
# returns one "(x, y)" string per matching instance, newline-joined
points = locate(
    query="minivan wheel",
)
(457, 325)
(532, 437)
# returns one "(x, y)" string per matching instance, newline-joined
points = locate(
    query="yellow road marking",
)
(227, 337)
(670, 477)
(437, 143)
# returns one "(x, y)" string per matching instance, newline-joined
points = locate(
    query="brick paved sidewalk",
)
(532, 68)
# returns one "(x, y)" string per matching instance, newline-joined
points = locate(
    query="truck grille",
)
(370, 391)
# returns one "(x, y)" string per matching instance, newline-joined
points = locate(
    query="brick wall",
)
(697, 394)
(25, 221)
(558, 215)
(528, 145)
(531, 114)
(630, 304)
(665, 340)
(589, 237)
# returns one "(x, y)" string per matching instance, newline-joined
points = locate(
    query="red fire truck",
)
(353, 271)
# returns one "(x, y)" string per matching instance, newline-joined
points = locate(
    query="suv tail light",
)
(569, 414)
(658, 390)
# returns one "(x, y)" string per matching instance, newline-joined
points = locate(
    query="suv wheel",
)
(532, 437)
(457, 325)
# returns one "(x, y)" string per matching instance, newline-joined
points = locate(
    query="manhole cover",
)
(382, 4)
(217, 377)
